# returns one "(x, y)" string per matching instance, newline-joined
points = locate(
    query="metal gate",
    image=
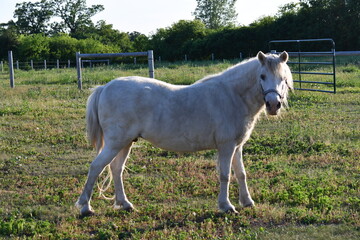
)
(304, 62)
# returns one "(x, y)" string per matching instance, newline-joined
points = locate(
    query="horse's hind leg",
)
(239, 169)
(117, 167)
(96, 167)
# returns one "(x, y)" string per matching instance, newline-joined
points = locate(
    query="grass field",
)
(303, 167)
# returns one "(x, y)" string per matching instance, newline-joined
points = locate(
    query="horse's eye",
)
(263, 77)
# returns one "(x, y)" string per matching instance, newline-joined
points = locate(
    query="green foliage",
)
(108, 36)
(9, 40)
(62, 47)
(35, 46)
(75, 15)
(33, 17)
(170, 43)
(92, 46)
(39, 47)
(25, 227)
(216, 14)
(140, 41)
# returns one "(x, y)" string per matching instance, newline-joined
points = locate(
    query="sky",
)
(146, 16)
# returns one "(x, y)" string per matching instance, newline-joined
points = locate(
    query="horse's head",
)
(275, 80)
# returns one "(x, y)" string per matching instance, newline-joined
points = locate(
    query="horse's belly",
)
(182, 147)
(181, 143)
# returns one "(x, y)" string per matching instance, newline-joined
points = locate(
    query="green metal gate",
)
(301, 66)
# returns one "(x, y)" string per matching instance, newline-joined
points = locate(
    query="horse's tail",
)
(93, 128)
(96, 136)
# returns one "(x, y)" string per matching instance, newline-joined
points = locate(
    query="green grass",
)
(303, 167)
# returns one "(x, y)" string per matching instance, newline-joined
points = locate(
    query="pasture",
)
(303, 167)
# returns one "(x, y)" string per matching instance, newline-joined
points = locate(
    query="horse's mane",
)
(273, 63)
(240, 68)
(244, 68)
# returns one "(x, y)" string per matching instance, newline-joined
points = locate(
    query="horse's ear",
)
(284, 56)
(262, 57)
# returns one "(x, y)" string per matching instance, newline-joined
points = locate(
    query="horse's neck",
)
(243, 74)
(254, 101)
(242, 79)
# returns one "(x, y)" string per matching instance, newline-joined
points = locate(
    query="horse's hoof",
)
(248, 204)
(231, 210)
(128, 208)
(86, 212)
(227, 208)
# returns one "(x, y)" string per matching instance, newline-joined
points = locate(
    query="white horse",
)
(217, 112)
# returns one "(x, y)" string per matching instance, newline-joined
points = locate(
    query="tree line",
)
(34, 35)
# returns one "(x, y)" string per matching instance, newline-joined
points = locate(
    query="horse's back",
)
(166, 115)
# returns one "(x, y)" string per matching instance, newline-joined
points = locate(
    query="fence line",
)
(79, 55)
(10, 66)
(107, 61)
(320, 54)
(45, 64)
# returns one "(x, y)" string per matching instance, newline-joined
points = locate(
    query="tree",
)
(75, 15)
(216, 13)
(35, 46)
(8, 38)
(139, 41)
(169, 43)
(105, 34)
(63, 47)
(33, 18)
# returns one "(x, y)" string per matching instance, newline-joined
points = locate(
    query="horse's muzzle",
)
(272, 102)
(272, 107)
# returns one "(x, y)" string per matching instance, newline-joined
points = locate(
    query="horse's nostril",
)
(267, 104)
(278, 105)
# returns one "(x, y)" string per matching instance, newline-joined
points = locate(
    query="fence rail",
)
(79, 55)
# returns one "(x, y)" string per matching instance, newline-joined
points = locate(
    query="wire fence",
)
(94, 68)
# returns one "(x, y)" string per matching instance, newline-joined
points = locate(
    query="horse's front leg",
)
(226, 153)
(238, 166)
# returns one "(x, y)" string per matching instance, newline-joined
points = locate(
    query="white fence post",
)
(11, 69)
(151, 63)
(45, 64)
(32, 64)
(78, 67)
